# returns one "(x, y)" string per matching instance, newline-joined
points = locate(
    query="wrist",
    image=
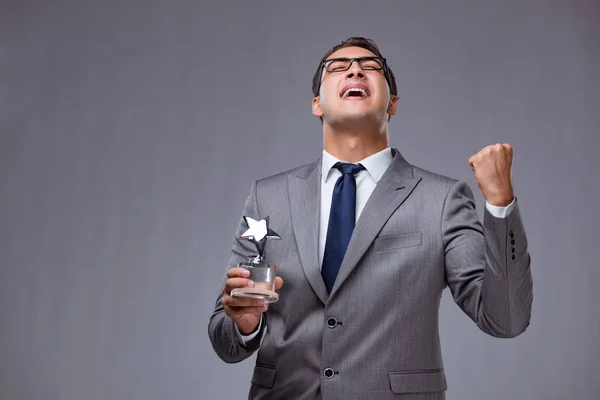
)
(500, 201)
(247, 329)
(499, 197)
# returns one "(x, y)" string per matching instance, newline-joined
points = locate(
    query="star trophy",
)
(261, 273)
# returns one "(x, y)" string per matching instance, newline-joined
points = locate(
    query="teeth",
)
(362, 91)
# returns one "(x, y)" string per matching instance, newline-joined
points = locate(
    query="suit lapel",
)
(304, 189)
(396, 184)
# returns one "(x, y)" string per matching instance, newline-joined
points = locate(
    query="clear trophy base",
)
(263, 276)
(255, 293)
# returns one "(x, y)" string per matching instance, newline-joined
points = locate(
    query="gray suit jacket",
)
(378, 329)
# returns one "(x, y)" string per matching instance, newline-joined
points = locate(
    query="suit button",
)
(328, 373)
(513, 257)
(512, 234)
(512, 242)
(331, 322)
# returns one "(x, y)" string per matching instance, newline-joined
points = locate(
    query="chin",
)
(354, 121)
(360, 115)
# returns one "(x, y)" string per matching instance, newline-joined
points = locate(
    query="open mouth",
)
(354, 92)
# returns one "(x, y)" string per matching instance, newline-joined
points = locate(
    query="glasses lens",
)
(342, 64)
(370, 63)
(337, 65)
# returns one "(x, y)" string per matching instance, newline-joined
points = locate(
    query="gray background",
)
(130, 133)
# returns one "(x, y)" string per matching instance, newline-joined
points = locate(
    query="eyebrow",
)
(349, 58)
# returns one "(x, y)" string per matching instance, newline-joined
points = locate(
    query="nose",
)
(355, 70)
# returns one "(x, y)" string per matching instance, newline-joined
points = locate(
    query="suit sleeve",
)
(488, 267)
(223, 336)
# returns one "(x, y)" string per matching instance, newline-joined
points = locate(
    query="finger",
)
(278, 283)
(233, 283)
(255, 310)
(238, 272)
(235, 312)
(242, 302)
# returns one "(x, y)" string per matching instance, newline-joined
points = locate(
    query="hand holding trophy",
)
(260, 271)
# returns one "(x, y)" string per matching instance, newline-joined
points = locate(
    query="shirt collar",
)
(375, 164)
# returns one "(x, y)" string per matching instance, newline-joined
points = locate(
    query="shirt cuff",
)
(246, 338)
(500, 212)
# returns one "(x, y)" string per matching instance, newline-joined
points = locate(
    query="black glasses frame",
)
(358, 60)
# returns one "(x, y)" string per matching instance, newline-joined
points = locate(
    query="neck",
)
(353, 146)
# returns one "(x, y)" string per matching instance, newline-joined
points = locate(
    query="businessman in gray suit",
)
(369, 244)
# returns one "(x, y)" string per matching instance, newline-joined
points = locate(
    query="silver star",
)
(258, 230)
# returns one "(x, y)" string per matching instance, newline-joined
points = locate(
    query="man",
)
(369, 244)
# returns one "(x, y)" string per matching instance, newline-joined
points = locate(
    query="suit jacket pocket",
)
(431, 380)
(397, 241)
(264, 376)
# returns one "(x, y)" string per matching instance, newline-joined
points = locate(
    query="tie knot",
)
(347, 168)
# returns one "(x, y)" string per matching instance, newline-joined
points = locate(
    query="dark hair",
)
(355, 41)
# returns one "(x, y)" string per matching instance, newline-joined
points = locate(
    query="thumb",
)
(472, 163)
(278, 283)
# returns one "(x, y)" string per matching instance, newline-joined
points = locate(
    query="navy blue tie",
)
(341, 222)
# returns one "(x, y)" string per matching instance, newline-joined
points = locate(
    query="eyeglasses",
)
(365, 63)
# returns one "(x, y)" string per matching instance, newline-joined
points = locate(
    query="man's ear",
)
(316, 107)
(393, 105)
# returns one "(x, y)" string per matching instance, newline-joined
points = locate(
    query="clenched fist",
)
(492, 166)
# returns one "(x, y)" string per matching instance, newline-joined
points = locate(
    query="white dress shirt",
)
(366, 180)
